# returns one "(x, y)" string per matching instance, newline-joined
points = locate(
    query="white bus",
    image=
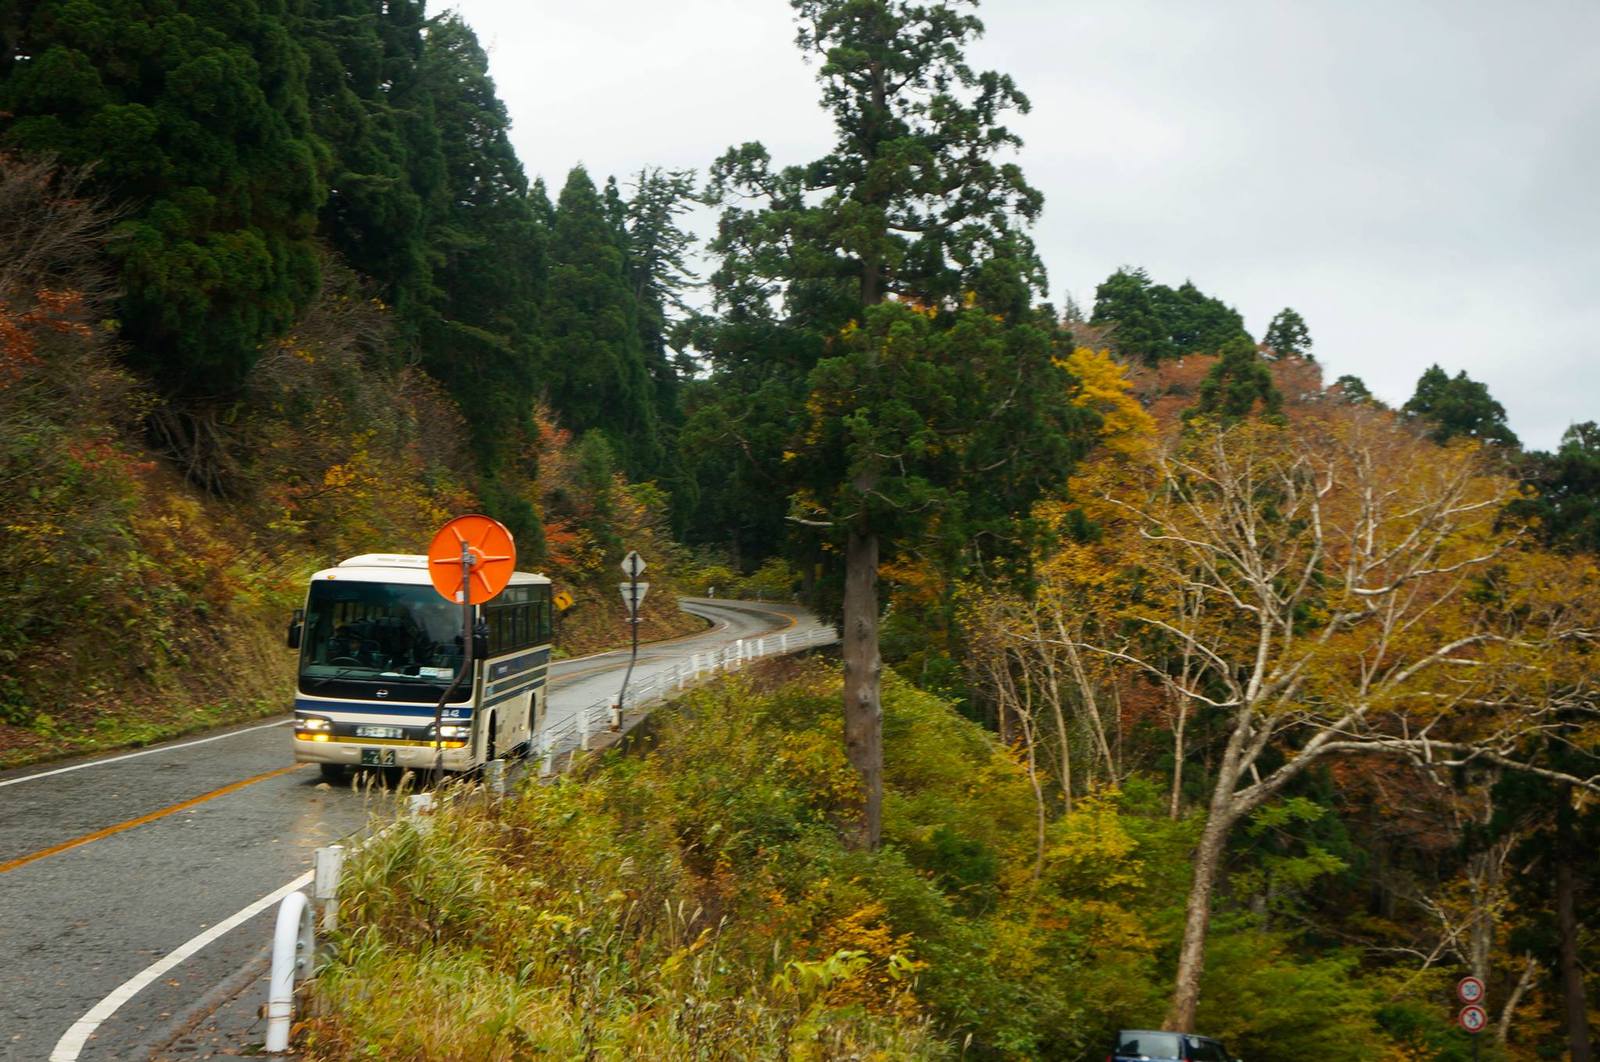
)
(379, 647)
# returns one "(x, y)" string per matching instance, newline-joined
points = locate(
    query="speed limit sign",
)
(1472, 1018)
(1469, 990)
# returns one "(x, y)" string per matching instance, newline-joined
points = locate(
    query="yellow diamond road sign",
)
(562, 601)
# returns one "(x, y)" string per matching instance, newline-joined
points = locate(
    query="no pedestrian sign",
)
(1473, 1019)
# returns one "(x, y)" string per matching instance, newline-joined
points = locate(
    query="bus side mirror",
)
(295, 624)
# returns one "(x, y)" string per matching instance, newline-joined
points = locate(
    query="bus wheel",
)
(332, 773)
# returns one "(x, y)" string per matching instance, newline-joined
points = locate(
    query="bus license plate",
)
(377, 757)
(380, 731)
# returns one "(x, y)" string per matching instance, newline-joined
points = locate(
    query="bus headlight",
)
(313, 728)
(450, 732)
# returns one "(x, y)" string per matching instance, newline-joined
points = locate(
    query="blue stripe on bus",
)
(511, 665)
(305, 704)
(495, 688)
(508, 694)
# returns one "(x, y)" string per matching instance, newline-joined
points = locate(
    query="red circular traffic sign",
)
(490, 550)
(1469, 990)
(1473, 1018)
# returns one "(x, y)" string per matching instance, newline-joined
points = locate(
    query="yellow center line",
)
(232, 787)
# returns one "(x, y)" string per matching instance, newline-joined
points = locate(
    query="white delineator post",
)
(325, 886)
(494, 778)
(292, 946)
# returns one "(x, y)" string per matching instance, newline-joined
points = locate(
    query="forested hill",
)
(277, 289)
(1234, 658)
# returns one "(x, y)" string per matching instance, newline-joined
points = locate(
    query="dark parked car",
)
(1143, 1045)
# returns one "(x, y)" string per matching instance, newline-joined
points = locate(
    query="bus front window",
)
(380, 631)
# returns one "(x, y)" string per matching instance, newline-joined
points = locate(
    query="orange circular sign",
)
(492, 553)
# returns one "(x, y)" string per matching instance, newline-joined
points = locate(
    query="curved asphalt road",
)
(184, 835)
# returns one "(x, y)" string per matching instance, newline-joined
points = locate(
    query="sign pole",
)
(632, 566)
(466, 661)
(470, 560)
(633, 620)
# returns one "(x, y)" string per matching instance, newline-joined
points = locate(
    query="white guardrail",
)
(577, 730)
(294, 939)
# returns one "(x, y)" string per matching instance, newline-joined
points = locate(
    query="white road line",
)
(144, 752)
(72, 1042)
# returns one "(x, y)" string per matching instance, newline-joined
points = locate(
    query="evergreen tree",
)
(1196, 322)
(658, 271)
(1288, 337)
(387, 177)
(197, 116)
(1124, 301)
(594, 362)
(1458, 406)
(1152, 322)
(910, 201)
(1566, 501)
(1239, 385)
(1354, 389)
(480, 330)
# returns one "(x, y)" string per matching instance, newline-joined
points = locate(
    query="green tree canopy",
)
(1287, 336)
(198, 116)
(1458, 406)
(911, 201)
(387, 180)
(1239, 385)
(1151, 321)
(1567, 503)
(593, 355)
(1354, 389)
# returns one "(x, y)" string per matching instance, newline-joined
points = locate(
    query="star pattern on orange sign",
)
(490, 549)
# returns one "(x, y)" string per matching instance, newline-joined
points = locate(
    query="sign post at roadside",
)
(633, 592)
(1473, 1018)
(469, 562)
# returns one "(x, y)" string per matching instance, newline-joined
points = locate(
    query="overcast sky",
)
(1418, 179)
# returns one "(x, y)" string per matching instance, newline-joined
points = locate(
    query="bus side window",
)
(497, 639)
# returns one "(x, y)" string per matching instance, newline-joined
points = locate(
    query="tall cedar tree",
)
(368, 104)
(1458, 406)
(659, 275)
(199, 117)
(593, 356)
(481, 330)
(911, 201)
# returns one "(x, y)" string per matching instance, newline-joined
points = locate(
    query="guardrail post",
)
(583, 729)
(547, 756)
(325, 885)
(293, 943)
(494, 777)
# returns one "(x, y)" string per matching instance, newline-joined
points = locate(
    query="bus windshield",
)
(383, 631)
